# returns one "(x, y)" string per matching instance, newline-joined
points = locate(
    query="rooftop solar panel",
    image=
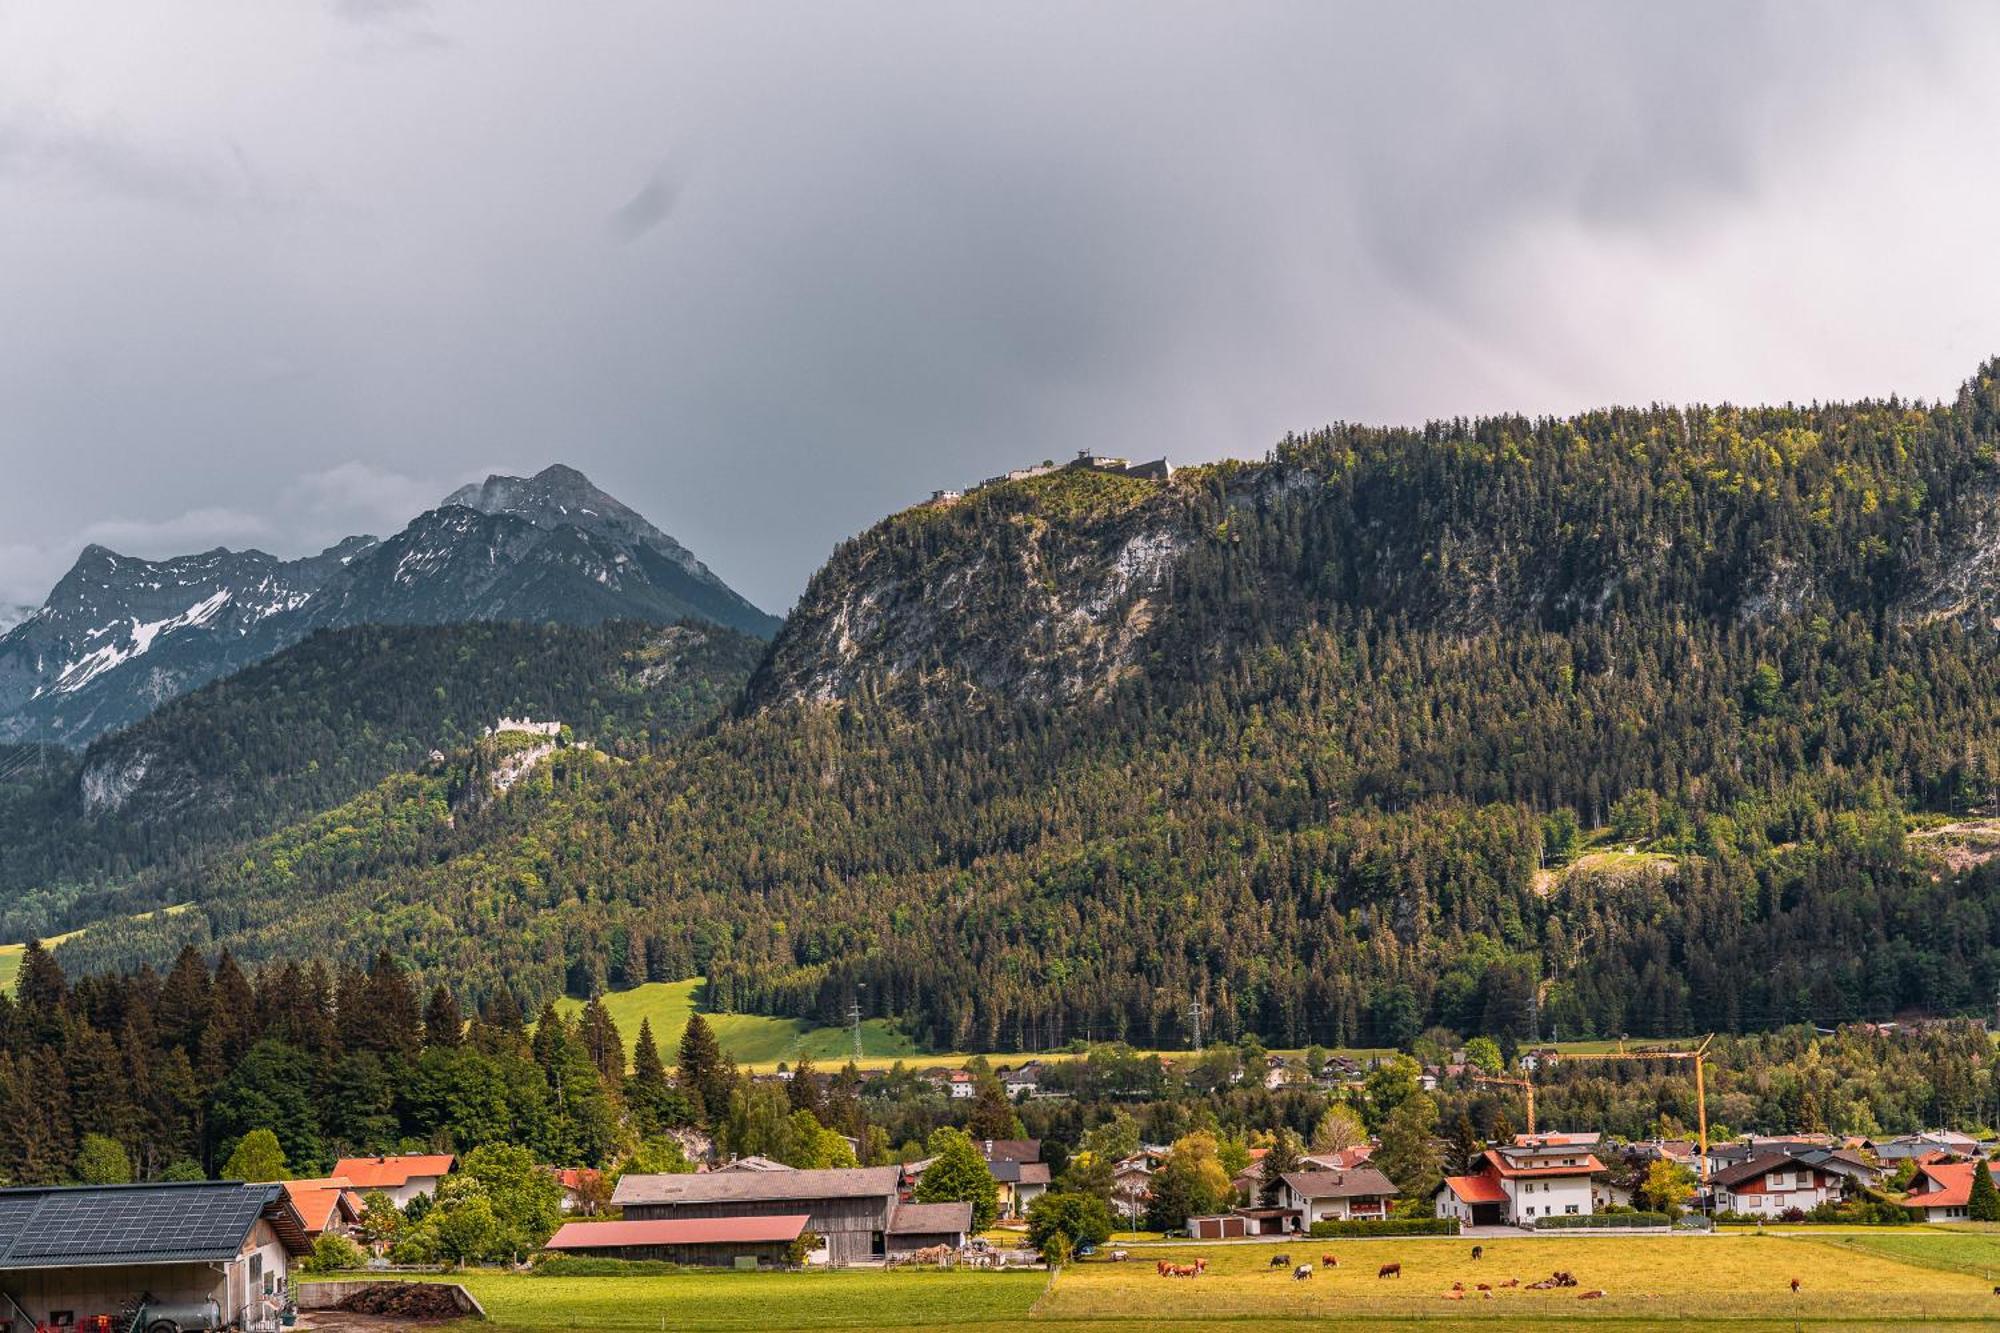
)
(127, 1224)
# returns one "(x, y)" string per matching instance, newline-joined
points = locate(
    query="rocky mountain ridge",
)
(119, 636)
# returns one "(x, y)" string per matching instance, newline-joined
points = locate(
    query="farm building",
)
(925, 1226)
(402, 1178)
(71, 1253)
(850, 1206)
(714, 1242)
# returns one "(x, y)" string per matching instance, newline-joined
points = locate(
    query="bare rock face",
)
(1963, 584)
(1041, 590)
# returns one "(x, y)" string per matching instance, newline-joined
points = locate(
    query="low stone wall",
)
(326, 1295)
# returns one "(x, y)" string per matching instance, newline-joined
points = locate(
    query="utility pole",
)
(854, 1018)
(1194, 1016)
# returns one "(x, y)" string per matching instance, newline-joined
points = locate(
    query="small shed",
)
(715, 1242)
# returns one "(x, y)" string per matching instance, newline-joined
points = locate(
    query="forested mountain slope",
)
(319, 722)
(1303, 739)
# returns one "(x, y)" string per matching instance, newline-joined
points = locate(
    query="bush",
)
(1602, 1221)
(1394, 1226)
(801, 1249)
(576, 1265)
(334, 1254)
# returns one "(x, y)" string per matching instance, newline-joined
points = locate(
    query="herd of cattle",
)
(1459, 1291)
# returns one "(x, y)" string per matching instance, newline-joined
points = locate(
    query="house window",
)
(1569, 1207)
(1531, 1210)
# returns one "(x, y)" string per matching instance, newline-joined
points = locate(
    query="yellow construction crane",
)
(1700, 1089)
(1526, 1085)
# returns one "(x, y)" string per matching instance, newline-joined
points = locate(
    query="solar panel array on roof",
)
(126, 1224)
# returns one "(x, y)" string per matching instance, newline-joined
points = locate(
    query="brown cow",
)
(1328, 1261)
(1795, 1286)
(1589, 1295)
(1479, 1251)
(1389, 1270)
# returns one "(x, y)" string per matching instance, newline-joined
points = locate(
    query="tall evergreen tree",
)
(703, 1071)
(443, 1024)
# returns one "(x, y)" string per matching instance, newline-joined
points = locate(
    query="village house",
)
(69, 1254)
(402, 1178)
(1942, 1191)
(326, 1205)
(1336, 1196)
(1344, 1159)
(1770, 1184)
(1019, 1170)
(582, 1188)
(1535, 1176)
(1912, 1146)
(851, 1207)
(1023, 1082)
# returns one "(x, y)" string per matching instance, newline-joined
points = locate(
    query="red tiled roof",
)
(1588, 1166)
(679, 1231)
(1476, 1189)
(574, 1178)
(317, 1202)
(387, 1173)
(1954, 1185)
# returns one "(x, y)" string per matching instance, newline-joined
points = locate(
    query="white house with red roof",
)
(1942, 1191)
(402, 1177)
(1771, 1184)
(1535, 1176)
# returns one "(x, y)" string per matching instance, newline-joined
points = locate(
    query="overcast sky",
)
(271, 273)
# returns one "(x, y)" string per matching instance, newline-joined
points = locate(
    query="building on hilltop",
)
(524, 726)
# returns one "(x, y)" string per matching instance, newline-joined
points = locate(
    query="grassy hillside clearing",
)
(10, 954)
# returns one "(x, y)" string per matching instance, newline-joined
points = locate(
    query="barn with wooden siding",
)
(720, 1242)
(850, 1207)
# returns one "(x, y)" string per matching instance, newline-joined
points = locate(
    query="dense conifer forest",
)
(1638, 721)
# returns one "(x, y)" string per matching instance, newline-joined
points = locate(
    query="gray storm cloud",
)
(297, 270)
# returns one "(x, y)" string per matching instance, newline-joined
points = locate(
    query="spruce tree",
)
(705, 1074)
(1984, 1205)
(1280, 1158)
(443, 1024)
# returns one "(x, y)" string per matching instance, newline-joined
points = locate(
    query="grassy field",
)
(853, 1298)
(1647, 1280)
(1742, 1281)
(1960, 1248)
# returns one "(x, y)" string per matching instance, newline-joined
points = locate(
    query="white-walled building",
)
(1337, 1196)
(1535, 1176)
(1770, 1184)
(402, 1178)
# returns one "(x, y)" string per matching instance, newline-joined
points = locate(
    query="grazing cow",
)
(1454, 1295)
(1511, 1282)
(1590, 1295)
(1281, 1261)
(1389, 1270)
(1201, 1265)
(1120, 1256)
(1795, 1286)
(1328, 1261)
(1483, 1286)
(1302, 1272)
(1163, 1266)
(1479, 1251)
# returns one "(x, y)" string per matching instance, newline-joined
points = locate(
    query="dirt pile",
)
(404, 1300)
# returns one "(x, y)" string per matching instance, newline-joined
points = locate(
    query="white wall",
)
(1549, 1196)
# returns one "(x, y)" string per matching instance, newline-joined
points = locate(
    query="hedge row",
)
(1390, 1226)
(1606, 1221)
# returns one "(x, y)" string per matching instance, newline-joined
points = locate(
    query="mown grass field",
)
(690, 1302)
(1969, 1248)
